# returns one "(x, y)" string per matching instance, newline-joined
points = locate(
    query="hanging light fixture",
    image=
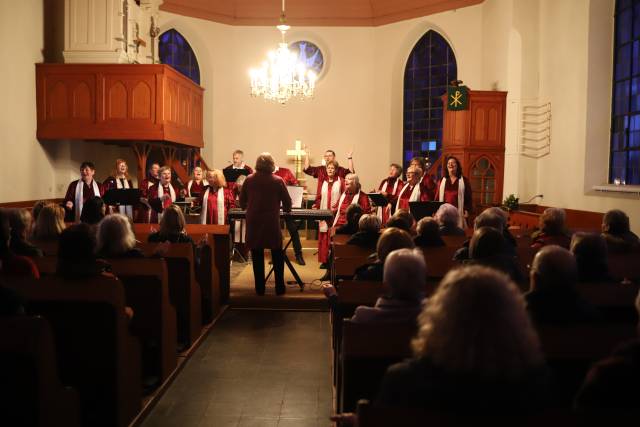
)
(282, 76)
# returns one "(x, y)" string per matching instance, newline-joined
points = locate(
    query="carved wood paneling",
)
(129, 102)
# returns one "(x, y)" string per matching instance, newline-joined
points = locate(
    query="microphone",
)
(534, 197)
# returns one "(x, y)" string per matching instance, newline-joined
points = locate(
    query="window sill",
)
(612, 188)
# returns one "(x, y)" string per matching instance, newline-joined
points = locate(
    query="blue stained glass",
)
(622, 98)
(174, 50)
(634, 168)
(622, 4)
(636, 20)
(623, 26)
(309, 54)
(623, 62)
(429, 69)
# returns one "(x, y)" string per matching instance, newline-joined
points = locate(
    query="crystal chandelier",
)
(282, 76)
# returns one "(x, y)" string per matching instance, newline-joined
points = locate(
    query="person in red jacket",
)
(216, 199)
(81, 190)
(390, 188)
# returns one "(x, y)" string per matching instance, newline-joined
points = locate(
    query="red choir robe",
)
(143, 213)
(211, 205)
(196, 189)
(404, 196)
(261, 195)
(347, 199)
(94, 189)
(327, 199)
(451, 195)
(392, 186)
(286, 175)
(320, 173)
(158, 206)
(114, 183)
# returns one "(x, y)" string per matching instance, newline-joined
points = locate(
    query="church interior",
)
(458, 237)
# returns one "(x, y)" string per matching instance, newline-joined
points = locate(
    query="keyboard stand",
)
(288, 262)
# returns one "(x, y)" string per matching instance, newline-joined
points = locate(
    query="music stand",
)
(378, 199)
(232, 175)
(122, 196)
(421, 209)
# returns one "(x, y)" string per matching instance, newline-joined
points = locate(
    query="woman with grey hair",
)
(368, 232)
(261, 195)
(475, 349)
(115, 238)
(552, 229)
(350, 196)
(447, 217)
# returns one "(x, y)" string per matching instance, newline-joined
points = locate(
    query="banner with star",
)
(457, 98)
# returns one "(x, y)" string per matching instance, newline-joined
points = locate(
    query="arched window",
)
(430, 68)
(175, 51)
(624, 160)
(483, 182)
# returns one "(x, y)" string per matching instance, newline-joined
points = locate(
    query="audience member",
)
(552, 296)
(115, 238)
(495, 218)
(368, 232)
(172, 227)
(448, 217)
(76, 254)
(487, 247)
(590, 251)
(10, 263)
(405, 272)
(428, 233)
(390, 240)
(20, 222)
(93, 211)
(37, 207)
(475, 349)
(617, 233)
(353, 214)
(50, 223)
(552, 230)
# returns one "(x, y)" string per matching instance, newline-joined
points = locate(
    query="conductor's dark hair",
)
(458, 170)
(331, 151)
(87, 164)
(92, 211)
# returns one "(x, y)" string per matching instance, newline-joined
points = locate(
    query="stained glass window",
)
(309, 54)
(430, 68)
(176, 51)
(624, 167)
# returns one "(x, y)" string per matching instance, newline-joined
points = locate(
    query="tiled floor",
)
(256, 368)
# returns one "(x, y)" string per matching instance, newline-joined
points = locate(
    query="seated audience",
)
(487, 248)
(405, 272)
(37, 207)
(475, 349)
(10, 263)
(93, 211)
(50, 223)
(403, 220)
(590, 251)
(76, 254)
(448, 218)
(20, 222)
(369, 231)
(353, 214)
(552, 230)
(390, 240)
(172, 227)
(617, 233)
(115, 238)
(552, 296)
(11, 303)
(495, 218)
(428, 233)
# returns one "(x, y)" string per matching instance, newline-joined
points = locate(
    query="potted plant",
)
(510, 203)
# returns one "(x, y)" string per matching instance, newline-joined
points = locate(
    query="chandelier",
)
(282, 76)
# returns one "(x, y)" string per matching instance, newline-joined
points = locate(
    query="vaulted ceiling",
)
(312, 12)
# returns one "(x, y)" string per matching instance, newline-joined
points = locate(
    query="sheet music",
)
(296, 195)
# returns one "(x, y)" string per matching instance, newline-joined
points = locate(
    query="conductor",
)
(261, 196)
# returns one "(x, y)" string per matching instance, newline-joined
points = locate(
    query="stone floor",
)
(256, 368)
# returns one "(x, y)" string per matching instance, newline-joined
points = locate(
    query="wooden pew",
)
(366, 353)
(31, 393)
(184, 292)
(46, 264)
(614, 300)
(439, 261)
(146, 286)
(95, 351)
(49, 248)
(346, 259)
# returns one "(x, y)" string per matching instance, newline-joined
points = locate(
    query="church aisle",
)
(256, 368)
